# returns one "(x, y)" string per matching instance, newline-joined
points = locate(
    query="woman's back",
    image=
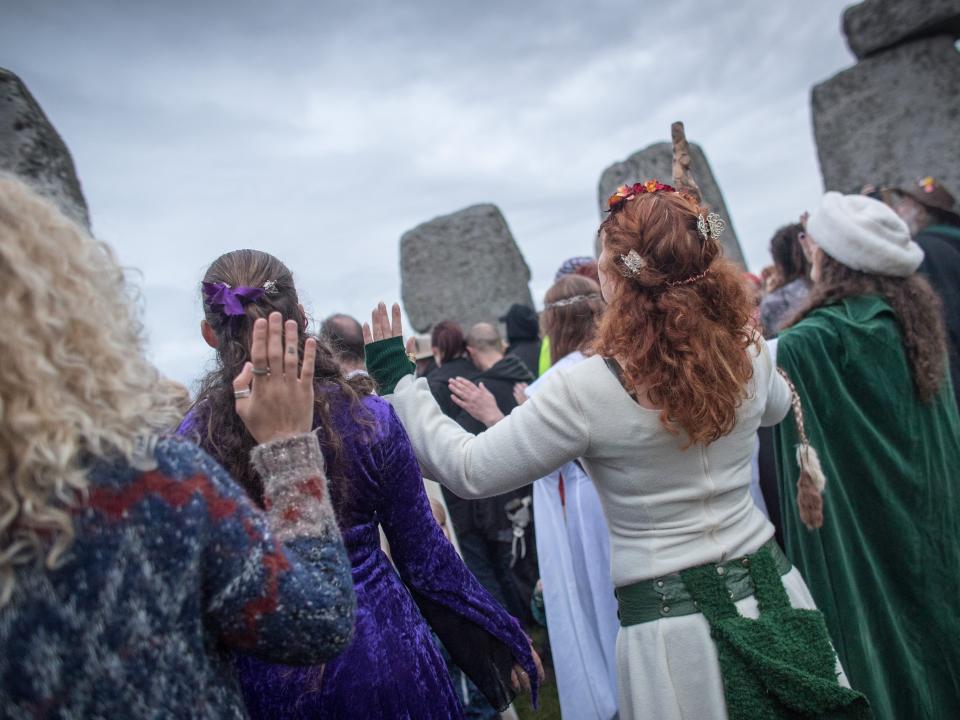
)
(393, 668)
(167, 566)
(663, 500)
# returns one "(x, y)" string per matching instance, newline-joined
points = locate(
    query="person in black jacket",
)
(505, 567)
(523, 336)
(450, 355)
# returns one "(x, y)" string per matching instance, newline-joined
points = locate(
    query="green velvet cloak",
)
(885, 566)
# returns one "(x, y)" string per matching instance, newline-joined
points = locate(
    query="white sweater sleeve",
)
(778, 392)
(539, 436)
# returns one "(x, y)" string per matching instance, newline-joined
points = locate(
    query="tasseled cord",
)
(812, 480)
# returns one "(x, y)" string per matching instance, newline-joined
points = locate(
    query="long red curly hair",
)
(684, 346)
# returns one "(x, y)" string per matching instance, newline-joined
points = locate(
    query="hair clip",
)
(632, 264)
(711, 227)
(270, 287)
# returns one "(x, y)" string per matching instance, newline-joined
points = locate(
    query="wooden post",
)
(682, 177)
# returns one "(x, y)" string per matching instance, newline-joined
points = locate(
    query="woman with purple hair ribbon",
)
(392, 669)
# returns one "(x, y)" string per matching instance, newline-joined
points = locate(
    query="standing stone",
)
(875, 25)
(465, 267)
(656, 162)
(891, 118)
(31, 148)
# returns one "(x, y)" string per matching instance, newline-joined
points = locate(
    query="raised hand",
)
(381, 327)
(477, 401)
(274, 398)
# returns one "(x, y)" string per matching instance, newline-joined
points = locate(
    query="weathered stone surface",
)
(656, 161)
(31, 148)
(464, 266)
(874, 25)
(891, 118)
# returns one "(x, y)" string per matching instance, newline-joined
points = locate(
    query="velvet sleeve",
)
(277, 585)
(483, 639)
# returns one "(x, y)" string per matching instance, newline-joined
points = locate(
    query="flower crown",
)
(628, 192)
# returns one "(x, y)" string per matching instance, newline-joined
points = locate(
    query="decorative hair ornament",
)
(711, 226)
(631, 264)
(628, 192)
(230, 301)
(572, 301)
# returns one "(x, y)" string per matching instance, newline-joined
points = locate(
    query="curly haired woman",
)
(714, 621)
(868, 356)
(392, 669)
(130, 564)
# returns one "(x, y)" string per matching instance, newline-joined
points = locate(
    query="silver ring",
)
(261, 371)
(245, 393)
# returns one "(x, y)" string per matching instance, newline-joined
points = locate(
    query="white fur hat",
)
(864, 234)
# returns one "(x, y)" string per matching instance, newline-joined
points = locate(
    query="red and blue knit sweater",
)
(171, 569)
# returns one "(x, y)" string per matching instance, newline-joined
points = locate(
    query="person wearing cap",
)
(867, 355)
(930, 211)
(523, 336)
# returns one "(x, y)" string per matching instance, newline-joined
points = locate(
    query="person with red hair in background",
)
(450, 354)
(715, 622)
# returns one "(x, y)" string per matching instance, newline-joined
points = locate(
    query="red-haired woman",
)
(663, 418)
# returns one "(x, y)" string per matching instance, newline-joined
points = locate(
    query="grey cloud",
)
(322, 131)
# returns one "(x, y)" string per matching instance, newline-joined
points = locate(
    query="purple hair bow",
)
(230, 300)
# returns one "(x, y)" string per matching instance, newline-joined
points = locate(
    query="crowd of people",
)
(722, 495)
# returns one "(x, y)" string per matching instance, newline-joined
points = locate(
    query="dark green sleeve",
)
(387, 363)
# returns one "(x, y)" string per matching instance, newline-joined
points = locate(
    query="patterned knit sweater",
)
(171, 568)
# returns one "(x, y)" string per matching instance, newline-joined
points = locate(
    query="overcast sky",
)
(322, 131)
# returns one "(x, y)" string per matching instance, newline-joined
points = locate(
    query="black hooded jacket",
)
(499, 380)
(523, 336)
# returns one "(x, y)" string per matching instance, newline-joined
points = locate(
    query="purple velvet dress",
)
(394, 668)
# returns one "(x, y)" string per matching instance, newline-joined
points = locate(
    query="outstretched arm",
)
(536, 438)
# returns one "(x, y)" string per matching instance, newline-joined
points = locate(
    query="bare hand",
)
(477, 401)
(278, 403)
(519, 677)
(382, 328)
(519, 393)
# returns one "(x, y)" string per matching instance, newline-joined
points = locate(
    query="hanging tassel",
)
(812, 481)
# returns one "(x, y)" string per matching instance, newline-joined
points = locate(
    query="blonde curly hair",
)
(74, 381)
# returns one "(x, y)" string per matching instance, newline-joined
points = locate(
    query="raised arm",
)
(277, 585)
(536, 438)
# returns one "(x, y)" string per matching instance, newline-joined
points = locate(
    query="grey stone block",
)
(464, 266)
(31, 148)
(891, 118)
(875, 25)
(656, 162)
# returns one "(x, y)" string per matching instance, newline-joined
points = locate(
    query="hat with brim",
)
(423, 347)
(929, 193)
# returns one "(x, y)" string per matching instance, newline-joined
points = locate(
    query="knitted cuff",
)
(295, 487)
(387, 363)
